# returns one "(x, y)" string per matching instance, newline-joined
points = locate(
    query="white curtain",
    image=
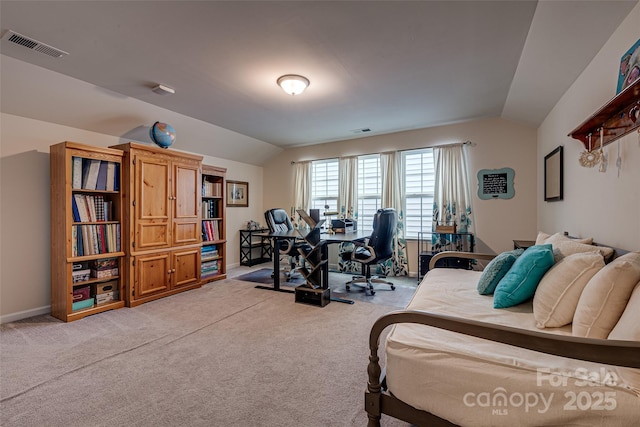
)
(452, 198)
(302, 185)
(390, 169)
(348, 191)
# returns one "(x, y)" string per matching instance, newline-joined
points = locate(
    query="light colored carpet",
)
(223, 355)
(405, 287)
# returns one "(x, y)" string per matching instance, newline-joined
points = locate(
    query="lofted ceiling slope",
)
(386, 66)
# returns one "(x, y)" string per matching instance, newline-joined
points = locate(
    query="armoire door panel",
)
(187, 227)
(186, 192)
(152, 235)
(152, 203)
(153, 274)
(186, 267)
(152, 198)
(186, 232)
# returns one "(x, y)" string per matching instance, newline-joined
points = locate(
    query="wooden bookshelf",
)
(214, 238)
(86, 215)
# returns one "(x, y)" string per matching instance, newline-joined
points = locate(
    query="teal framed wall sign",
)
(496, 183)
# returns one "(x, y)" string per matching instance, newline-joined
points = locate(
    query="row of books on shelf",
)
(91, 208)
(208, 252)
(211, 189)
(210, 268)
(210, 209)
(94, 174)
(95, 269)
(93, 239)
(211, 230)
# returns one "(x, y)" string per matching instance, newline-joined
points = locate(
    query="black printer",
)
(344, 225)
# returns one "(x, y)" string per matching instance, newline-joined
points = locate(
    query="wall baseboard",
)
(13, 317)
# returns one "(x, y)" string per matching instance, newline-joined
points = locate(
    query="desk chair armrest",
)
(366, 246)
(363, 241)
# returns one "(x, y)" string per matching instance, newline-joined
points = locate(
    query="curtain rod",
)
(453, 144)
(293, 162)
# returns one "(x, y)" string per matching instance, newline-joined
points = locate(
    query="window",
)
(324, 184)
(418, 189)
(417, 193)
(369, 190)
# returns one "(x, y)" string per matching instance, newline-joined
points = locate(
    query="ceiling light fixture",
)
(293, 84)
(163, 90)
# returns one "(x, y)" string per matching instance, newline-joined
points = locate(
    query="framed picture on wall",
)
(496, 183)
(553, 175)
(237, 194)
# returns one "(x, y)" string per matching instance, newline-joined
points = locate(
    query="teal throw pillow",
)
(495, 271)
(521, 281)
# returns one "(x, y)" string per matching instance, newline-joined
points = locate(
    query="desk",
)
(523, 244)
(293, 234)
(345, 237)
(277, 237)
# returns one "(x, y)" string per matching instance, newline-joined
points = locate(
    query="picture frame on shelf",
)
(553, 175)
(629, 67)
(237, 194)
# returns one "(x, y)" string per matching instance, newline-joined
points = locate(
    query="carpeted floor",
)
(226, 354)
(405, 287)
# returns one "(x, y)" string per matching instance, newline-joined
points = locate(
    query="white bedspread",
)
(476, 382)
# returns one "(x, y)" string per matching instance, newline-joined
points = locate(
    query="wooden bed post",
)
(373, 395)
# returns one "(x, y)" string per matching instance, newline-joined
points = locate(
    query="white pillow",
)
(542, 237)
(628, 327)
(564, 246)
(557, 295)
(605, 297)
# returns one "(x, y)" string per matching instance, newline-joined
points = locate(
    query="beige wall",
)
(24, 209)
(499, 143)
(601, 205)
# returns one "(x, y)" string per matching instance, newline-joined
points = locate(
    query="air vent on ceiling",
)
(32, 44)
(365, 130)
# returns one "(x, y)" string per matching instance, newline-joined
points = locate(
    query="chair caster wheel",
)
(393, 288)
(348, 288)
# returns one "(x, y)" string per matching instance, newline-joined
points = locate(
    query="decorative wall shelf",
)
(619, 116)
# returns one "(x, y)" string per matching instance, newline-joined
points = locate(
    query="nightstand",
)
(523, 244)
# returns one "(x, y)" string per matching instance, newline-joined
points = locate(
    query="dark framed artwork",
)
(237, 194)
(553, 175)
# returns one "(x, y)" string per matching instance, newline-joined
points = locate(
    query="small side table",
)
(523, 244)
(250, 240)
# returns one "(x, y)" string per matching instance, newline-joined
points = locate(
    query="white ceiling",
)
(384, 65)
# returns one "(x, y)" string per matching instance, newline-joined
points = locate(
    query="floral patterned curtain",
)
(348, 200)
(390, 169)
(452, 193)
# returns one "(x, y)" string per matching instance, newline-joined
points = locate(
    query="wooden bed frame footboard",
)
(378, 402)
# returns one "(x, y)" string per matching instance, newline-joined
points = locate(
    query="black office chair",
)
(278, 220)
(373, 250)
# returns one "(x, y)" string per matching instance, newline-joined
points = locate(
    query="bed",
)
(451, 358)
